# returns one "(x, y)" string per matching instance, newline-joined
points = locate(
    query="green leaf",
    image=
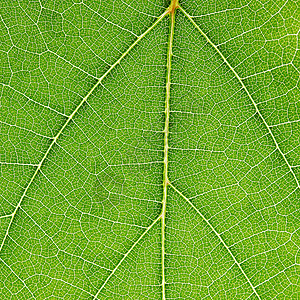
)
(149, 150)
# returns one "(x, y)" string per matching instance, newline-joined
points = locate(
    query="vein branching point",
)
(173, 6)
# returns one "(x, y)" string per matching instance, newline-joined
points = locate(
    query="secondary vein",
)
(220, 239)
(247, 92)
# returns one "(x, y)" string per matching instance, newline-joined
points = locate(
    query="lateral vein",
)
(124, 257)
(246, 90)
(219, 237)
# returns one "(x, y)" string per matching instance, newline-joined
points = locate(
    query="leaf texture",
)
(149, 150)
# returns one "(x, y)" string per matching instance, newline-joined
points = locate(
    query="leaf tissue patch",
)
(149, 149)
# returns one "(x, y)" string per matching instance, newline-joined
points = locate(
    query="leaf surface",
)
(149, 150)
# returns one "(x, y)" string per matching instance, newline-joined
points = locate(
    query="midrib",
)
(172, 9)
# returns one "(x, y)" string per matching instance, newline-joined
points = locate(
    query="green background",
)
(81, 159)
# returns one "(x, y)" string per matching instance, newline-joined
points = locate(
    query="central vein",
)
(172, 9)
